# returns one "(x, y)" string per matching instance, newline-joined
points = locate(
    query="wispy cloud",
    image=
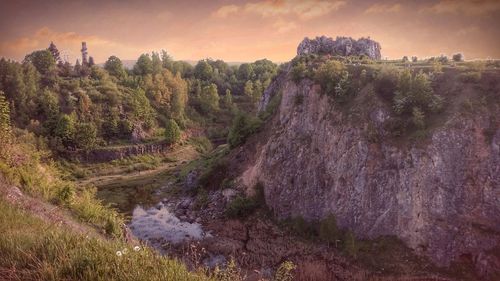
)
(467, 7)
(383, 8)
(41, 38)
(225, 11)
(303, 10)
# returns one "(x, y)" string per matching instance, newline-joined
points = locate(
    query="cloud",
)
(468, 7)
(41, 39)
(383, 8)
(303, 10)
(283, 26)
(225, 11)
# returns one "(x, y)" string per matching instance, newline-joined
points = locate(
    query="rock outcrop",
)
(341, 46)
(441, 196)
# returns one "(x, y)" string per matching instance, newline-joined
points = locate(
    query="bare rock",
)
(341, 46)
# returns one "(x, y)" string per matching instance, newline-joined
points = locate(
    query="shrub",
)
(458, 57)
(285, 271)
(202, 144)
(386, 81)
(470, 77)
(418, 118)
(243, 126)
(241, 207)
(172, 132)
(328, 230)
(329, 75)
(299, 72)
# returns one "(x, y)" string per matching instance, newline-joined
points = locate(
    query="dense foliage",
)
(82, 106)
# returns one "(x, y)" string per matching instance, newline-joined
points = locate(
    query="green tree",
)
(245, 72)
(242, 127)
(227, 100)
(43, 61)
(209, 98)
(5, 129)
(167, 61)
(248, 89)
(328, 76)
(172, 132)
(144, 65)
(85, 135)
(65, 128)
(54, 51)
(458, 57)
(203, 71)
(114, 66)
(156, 63)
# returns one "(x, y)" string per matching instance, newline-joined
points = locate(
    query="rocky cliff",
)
(440, 195)
(342, 46)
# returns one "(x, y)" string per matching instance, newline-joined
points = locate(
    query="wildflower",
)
(137, 248)
(125, 251)
(119, 253)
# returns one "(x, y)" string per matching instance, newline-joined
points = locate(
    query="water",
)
(158, 226)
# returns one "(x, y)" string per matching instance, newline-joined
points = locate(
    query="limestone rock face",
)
(440, 196)
(342, 46)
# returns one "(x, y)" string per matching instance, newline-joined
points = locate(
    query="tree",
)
(248, 89)
(203, 71)
(65, 128)
(227, 100)
(242, 127)
(245, 72)
(144, 65)
(43, 61)
(114, 66)
(85, 136)
(156, 63)
(414, 59)
(405, 59)
(209, 98)
(167, 61)
(54, 51)
(172, 132)
(5, 129)
(328, 76)
(91, 61)
(458, 57)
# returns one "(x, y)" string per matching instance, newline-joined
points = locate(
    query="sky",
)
(238, 31)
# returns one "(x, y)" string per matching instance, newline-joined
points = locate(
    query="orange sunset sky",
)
(247, 30)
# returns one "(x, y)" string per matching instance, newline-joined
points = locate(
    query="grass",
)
(32, 250)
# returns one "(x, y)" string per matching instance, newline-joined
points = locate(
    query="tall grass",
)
(32, 250)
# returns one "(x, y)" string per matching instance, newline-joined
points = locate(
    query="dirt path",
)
(183, 154)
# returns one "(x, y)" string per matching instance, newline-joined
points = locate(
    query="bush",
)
(243, 126)
(329, 75)
(470, 77)
(328, 230)
(458, 57)
(172, 132)
(202, 144)
(242, 207)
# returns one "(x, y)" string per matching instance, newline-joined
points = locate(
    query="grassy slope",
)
(31, 249)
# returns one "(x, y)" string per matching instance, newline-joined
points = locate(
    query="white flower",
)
(137, 248)
(125, 251)
(119, 253)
